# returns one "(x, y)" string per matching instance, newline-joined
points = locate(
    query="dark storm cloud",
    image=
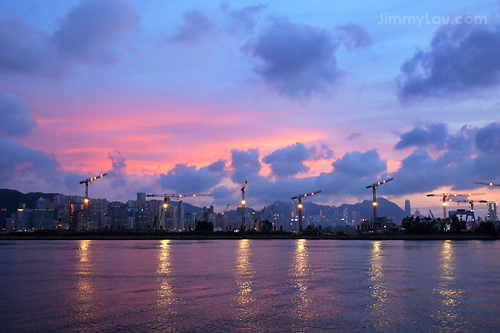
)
(243, 19)
(195, 25)
(90, 32)
(245, 165)
(19, 161)
(462, 58)
(289, 161)
(360, 164)
(187, 179)
(118, 169)
(434, 134)
(488, 139)
(15, 117)
(298, 59)
(353, 36)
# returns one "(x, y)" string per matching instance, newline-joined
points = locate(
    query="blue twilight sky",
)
(294, 97)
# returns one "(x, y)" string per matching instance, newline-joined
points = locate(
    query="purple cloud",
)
(188, 179)
(245, 165)
(353, 36)
(298, 59)
(462, 58)
(15, 116)
(195, 25)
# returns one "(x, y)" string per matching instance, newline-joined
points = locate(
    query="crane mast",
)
(243, 206)
(86, 182)
(374, 186)
(300, 196)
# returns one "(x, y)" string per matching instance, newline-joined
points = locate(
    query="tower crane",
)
(300, 196)
(445, 195)
(471, 202)
(374, 186)
(86, 182)
(166, 200)
(243, 206)
(488, 184)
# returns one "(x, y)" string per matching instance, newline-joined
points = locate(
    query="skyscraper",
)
(407, 207)
(491, 214)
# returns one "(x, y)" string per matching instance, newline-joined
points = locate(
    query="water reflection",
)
(85, 292)
(245, 278)
(300, 276)
(165, 293)
(449, 313)
(378, 290)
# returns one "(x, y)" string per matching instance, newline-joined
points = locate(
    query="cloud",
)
(462, 58)
(186, 179)
(469, 155)
(488, 139)
(298, 59)
(118, 169)
(353, 136)
(435, 134)
(89, 33)
(353, 36)
(360, 164)
(243, 19)
(23, 50)
(195, 25)
(217, 167)
(15, 116)
(18, 161)
(245, 165)
(289, 161)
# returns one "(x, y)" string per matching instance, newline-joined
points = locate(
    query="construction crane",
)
(166, 200)
(86, 182)
(300, 196)
(243, 206)
(488, 184)
(430, 214)
(471, 202)
(374, 186)
(445, 195)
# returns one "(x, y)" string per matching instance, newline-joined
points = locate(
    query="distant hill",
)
(10, 199)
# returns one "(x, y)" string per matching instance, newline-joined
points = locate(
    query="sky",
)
(293, 97)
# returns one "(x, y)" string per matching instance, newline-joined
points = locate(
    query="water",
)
(249, 286)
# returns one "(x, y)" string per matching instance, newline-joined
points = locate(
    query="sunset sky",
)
(199, 96)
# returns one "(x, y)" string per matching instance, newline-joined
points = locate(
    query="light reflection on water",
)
(378, 289)
(244, 275)
(84, 295)
(448, 289)
(299, 278)
(250, 286)
(165, 292)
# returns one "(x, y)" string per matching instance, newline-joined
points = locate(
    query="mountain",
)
(10, 199)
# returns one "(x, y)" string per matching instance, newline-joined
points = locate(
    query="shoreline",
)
(100, 235)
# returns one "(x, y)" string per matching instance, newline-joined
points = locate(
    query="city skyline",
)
(200, 97)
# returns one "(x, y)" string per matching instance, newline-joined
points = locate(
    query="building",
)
(407, 207)
(44, 219)
(491, 214)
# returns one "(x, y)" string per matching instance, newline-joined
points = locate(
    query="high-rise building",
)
(407, 207)
(491, 214)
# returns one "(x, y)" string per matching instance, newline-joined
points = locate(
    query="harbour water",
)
(249, 286)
